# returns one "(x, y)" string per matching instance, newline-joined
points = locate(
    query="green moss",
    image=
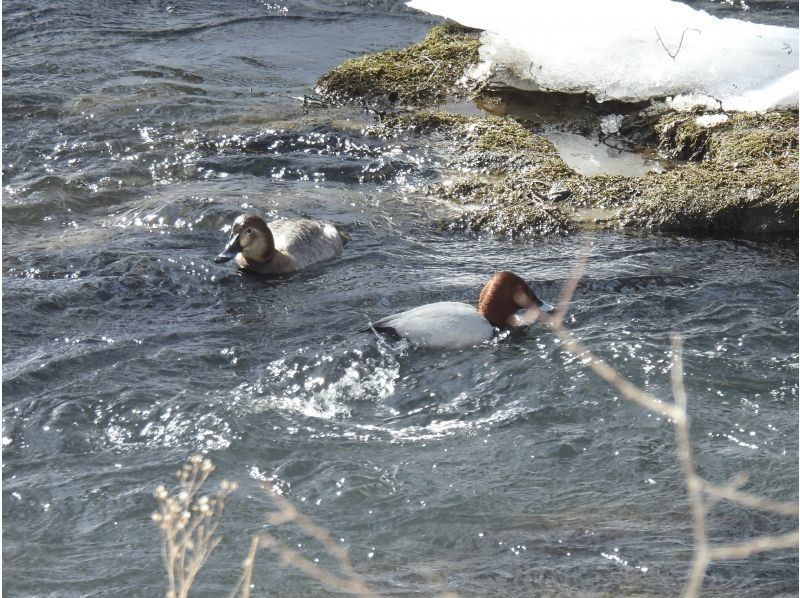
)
(681, 138)
(754, 138)
(507, 206)
(489, 142)
(744, 137)
(503, 135)
(512, 219)
(741, 177)
(705, 197)
(502, 145)
(417, 122)
(603, 191)
(426, 72)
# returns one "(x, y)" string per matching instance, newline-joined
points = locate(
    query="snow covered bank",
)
(631, 50)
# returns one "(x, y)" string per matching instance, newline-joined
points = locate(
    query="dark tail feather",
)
(342, 235)
(382, 331)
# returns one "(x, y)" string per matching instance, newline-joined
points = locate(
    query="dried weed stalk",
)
(346, 581)
(188, 524)
(702, 494)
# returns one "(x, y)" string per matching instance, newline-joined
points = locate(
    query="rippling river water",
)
(134, 132)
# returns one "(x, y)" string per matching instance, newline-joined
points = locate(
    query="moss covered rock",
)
(424, 73)
(706, 197)
(740, 175)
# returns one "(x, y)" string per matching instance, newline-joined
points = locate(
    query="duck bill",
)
(231, 249)
(528, 315)
(547, 308)
(531, 308)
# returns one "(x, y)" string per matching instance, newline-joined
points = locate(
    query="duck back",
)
(301, 243)
(447, 324)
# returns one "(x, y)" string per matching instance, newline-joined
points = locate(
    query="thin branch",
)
(760, 544)
(247, 570)
(702, 494)
(746, 499)
(629, 390)
(556, 322)
(288, 513)
(433, 72)
(568, 290)
(694, 485)
(671, 55)
(289, 556)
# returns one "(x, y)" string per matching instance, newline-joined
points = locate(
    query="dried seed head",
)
(157, 517)
(160, 493)
(206, 465)
(195, 459)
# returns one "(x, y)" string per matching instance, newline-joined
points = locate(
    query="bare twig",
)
(629, 390)
(760, 544)
(749, 500)
(289, 556)
(568, 290)
(680, 45)
(694, 484)
(433, 72)
(288, 513)
(702, 494)
(243, 585)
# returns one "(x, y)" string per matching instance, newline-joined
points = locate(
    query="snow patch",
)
(709, 121)
(630, 50)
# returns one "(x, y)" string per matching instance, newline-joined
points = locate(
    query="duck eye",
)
(249, 230)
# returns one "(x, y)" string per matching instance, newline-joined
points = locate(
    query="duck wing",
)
(447, 324)
(306, 242)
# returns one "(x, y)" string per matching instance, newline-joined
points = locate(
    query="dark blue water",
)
(134, 132)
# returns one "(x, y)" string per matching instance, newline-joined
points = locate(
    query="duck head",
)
(504, 295)
(250, 242)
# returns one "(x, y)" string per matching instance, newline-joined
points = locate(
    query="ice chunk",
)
(630, 50)
(709, 121)
(610, 124)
